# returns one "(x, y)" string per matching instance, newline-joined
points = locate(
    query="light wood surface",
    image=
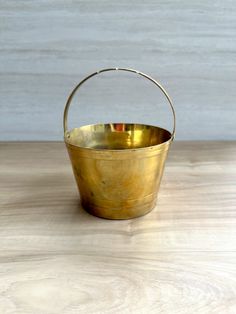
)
(56, 258)
(47, 47)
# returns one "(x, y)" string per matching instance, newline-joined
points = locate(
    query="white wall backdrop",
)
(46, 47)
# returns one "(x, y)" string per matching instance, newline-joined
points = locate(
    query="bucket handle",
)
(118, 69)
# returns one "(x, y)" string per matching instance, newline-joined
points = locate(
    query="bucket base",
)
(119, 214)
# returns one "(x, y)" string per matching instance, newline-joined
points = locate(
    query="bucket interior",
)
(116, 136)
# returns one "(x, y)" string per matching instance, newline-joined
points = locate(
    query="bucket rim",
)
(121, 150)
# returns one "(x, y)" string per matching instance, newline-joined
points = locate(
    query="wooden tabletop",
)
(56, 258)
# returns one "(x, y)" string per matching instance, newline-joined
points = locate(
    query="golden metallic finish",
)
(118, 166)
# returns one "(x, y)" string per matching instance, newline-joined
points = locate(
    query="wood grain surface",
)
(46, 47)
(56, 258)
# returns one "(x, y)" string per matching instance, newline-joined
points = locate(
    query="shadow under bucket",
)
(118, 166)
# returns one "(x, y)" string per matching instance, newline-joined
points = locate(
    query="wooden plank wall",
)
(46, 47)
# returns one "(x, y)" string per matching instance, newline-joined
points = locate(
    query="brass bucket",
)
(118, 166)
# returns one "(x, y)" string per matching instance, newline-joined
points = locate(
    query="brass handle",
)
(118, 69)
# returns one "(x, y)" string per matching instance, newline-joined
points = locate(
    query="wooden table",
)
(56, 258)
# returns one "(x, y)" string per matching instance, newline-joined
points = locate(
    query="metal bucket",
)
(118, 166)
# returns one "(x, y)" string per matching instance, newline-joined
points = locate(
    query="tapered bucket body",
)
(118, 166)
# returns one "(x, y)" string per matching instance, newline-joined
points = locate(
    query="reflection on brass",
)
(118, 166)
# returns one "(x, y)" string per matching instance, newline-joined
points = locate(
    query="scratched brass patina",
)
(118, 166)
